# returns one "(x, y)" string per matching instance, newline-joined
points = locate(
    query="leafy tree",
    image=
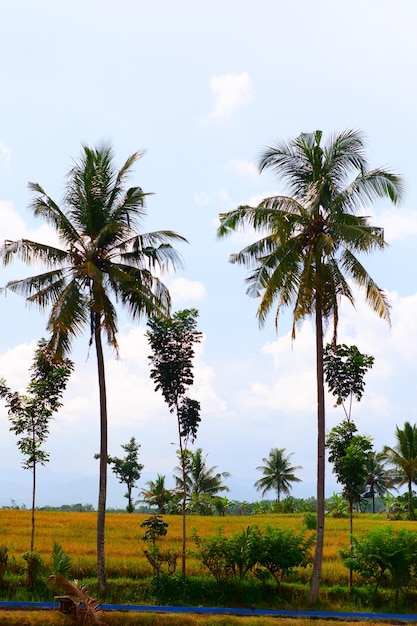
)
(309, 247)
(377, 478)
(344, 370)
(156, 494)
(384, 555)
(31, 413)
(349, 454)
(103, 260)
(172, 342)
(127, 469)
(403, 457)
(278, 474)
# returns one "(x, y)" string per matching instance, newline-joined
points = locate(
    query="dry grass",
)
(76, 533)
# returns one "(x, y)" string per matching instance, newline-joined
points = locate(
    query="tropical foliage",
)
(403, 459)
(103, 260)
(278, 474)
(310, 246)
(127, 469)
(202, 482)
(172, 342)
(31, 413)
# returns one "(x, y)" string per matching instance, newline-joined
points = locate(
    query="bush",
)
(281, 550)
(34, 569)
(387, 557)
(272, 553)
(61, 562)
(310, 520)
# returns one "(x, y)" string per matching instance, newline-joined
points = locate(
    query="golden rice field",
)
(76, 533)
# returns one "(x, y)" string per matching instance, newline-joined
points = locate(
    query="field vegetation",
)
(132, 579)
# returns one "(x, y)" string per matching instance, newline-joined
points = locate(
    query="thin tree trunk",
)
(32, 536)
(350, 541)
(102, 494)
(184, 501)
(318, 555)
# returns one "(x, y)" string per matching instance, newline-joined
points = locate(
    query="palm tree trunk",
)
(411, 515)
(318, 555)
(102, 494)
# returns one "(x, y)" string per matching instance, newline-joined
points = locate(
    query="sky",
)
(201, 88)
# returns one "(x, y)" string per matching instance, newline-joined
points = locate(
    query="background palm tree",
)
(278, 473)
(377, 479)
(403, 456)
(156, 494)
(102, 257)
(309, 247)
(200, 479)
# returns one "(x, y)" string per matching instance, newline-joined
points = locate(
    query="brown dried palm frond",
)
(89, 608)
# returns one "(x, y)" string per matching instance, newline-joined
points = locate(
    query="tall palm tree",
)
(200, 479)
(278, 473)
(102, 260)
(308, 247)
(403, 456)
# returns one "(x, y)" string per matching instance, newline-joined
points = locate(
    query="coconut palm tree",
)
(157, 494)
(278, 474)
(103, 260)
(377, 479)
(403, 456)
(200, 479)
(308, 249)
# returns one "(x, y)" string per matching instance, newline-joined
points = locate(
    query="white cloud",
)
(200, 197)
(399, 224)
(13, 227)
(231, 91)
(183, 289)
(5, 153)
(243, 168)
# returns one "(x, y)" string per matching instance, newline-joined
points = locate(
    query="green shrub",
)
(281, 550)
(310, 520)
(34, 569)
(275, 552)
(61, 562)
(387, 557)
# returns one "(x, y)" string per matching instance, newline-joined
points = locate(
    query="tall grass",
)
(76, 534)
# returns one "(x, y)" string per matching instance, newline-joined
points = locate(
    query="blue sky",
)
(202, 88)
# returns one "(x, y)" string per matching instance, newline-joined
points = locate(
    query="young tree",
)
(127, 469)
(278, 474)
(172, 342)
(309, 248)
(349, 454)
(344, 371)
(31, 413)
(103, 260)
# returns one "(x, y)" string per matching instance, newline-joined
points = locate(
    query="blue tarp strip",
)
(223, 611)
